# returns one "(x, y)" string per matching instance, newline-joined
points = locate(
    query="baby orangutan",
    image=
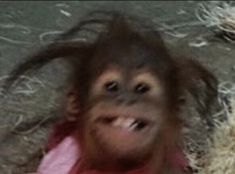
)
(125, 99)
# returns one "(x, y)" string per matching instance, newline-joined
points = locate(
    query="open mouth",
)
(128, 123)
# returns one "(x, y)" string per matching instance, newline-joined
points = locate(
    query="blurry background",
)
(26, 114)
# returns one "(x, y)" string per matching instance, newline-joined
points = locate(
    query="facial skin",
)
(125, 111)
(124, 95)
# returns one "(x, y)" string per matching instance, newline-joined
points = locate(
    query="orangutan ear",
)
(72, 104)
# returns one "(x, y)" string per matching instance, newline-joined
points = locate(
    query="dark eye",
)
(112, 86)
(141, 88)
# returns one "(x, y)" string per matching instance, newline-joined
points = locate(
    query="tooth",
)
(118, 122)
(133, 126)
(131, 120)
(128, 122)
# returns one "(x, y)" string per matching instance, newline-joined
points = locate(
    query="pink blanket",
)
(61, 159)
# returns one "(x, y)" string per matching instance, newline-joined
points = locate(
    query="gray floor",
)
(25, 26)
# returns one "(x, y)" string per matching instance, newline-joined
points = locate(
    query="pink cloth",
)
(61, 159)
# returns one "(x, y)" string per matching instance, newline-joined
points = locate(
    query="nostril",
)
(126, 99)
(120, 99)
(131, 101)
